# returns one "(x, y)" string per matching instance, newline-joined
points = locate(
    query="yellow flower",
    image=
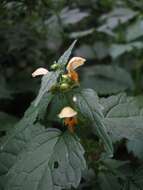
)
(69, 116)
(74, 63)
(40, 71)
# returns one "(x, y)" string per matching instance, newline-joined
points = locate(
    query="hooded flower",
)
(69, 116)
(74, 63)
(39, 71)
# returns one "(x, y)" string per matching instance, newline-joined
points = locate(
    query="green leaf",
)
(72, 16)
(51, 160)
(123, 117)
(136, 147)
(135, 179)
(138, 177)
(64, 58)
(107, 79)
(108, 181)
(115, 18)
(48, 80)
(101, 49)
(135, 30)
(117, 50)
(88, 105)
(23, 132)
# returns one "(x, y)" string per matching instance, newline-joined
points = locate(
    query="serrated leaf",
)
(107, 79)
(123, 117)
(48, 81)
(50, 160)
(88, 104)
(16, 141)
(64, 58)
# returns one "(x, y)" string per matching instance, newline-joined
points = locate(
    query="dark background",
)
(35, 33)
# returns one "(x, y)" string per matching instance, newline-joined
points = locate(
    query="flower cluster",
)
(68, 114)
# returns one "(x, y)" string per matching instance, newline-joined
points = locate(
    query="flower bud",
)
(64, 86)
(55, 66)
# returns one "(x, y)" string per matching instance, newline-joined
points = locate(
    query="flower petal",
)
(67, 112)
(73, 75)
(40, 71)
(75, 62)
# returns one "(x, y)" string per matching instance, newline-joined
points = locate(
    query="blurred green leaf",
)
(106, 79)
(72, 16)
(108, 181)
(135, 30)
(80, 34)
(115, 18)
(85, 51)
(136, 147)
(117, 50)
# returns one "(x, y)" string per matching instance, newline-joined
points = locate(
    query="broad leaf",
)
(88, 104)
(16, 141)
(123, 117)
(109, 174)
(51, 160)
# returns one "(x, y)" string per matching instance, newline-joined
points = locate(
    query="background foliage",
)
(110, 37)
